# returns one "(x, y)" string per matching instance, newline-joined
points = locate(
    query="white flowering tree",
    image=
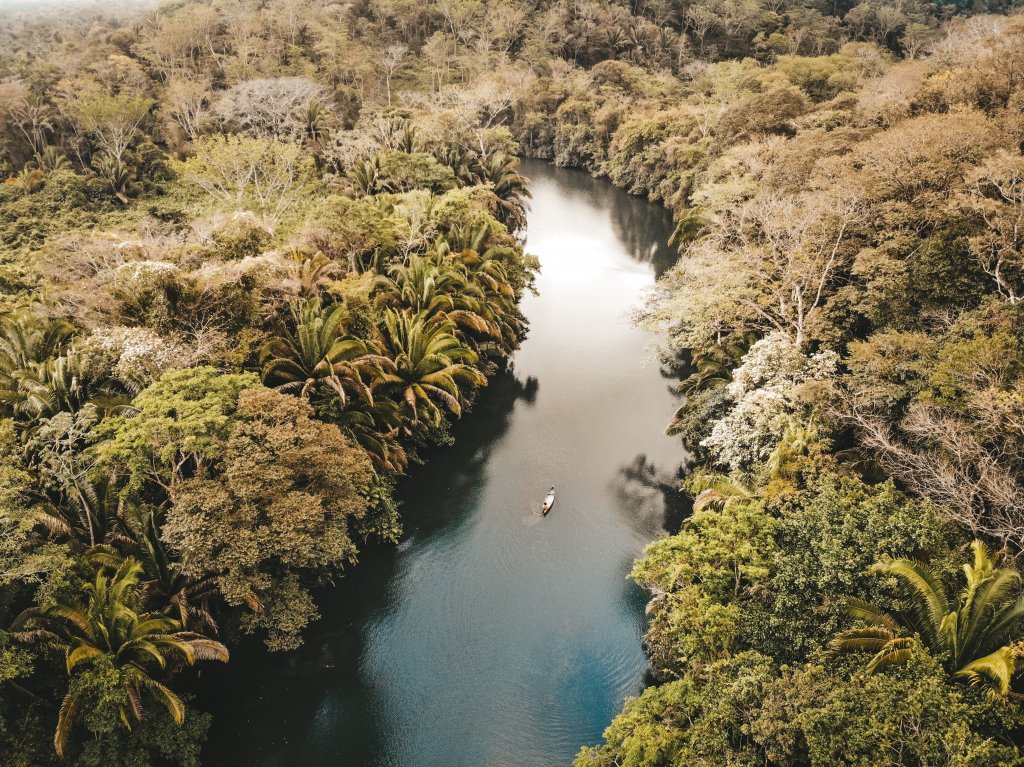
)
(764, 399)
(140, 355)
(271, 107)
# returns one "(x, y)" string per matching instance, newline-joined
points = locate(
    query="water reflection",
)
(641, 228)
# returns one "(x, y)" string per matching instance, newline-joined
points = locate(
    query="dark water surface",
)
(493, 637)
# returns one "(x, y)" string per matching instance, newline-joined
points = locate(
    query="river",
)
(491, 636)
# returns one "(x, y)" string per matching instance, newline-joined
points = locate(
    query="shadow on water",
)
(269, 707)
(433, 499)
(652, 499)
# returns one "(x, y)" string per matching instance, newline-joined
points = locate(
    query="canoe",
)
(549, 501)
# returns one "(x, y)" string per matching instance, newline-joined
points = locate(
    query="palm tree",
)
(798, 441)
(182, 598)
(28, 343)
(92, 510)
(431, 289)
(463, 237)
(105, 627)
(375, 426)
(713, 365)
(51, 159)
(315, 121)
(489, 269)
(421, 285)
(313, 271)
(62, 384)
(365, 176)
(429, 364)
(718, 491)
(115, 171)
(35, 121)
(977, 630)
(460, 159)
(501, 171)
(320, 355)
(712, 369)
(25, 339)
(490, 295)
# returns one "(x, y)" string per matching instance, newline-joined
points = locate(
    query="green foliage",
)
(701, 719)
(406, 171)
(828, 538)
(23, 557)
(974, 630)
(179, 425)
(821, 77)
(429, 364)
(156, 739)
(811, 717)
(700, 578)
(113, 654)
(240, 173)
(63, 203)
(282, 498)
(744, 711)
(832, 191)
(320, 358)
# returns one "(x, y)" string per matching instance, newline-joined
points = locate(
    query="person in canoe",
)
(549, 501)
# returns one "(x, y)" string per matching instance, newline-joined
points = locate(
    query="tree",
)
(790, 249)
(700, 579)
(491, 271)
(279, 503)
(827, 536)
(811, 715)
(502, 173)
(744, 711)
(978, 630)
(25, 557)
(938, 412)
(429, 364)
(700, 720)
(185, 102)
(42, 373)
(482, 106)
(177, 427)
(433, 290)
(106, 632)
(26, 339)
(997, 195)
(320, 354)
(111, 121)
(390, 61)
(35, 121)
(271, 108)
(115, 172)
(244, 173)
(765, 396)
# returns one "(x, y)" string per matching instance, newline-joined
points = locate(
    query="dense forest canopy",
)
(255, 257)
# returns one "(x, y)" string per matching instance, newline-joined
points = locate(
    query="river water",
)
(491, 636)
